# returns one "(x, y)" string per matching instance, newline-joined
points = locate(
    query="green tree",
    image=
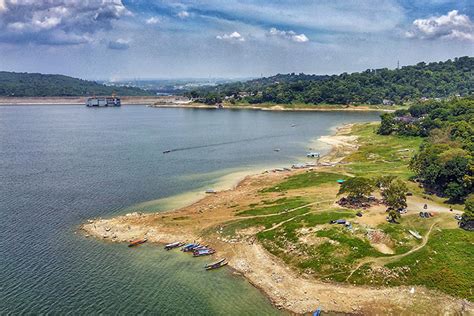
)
(469, 208)
(357, 187)
(387, 126)
(395, 195)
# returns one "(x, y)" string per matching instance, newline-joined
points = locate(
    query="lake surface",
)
(62, 165)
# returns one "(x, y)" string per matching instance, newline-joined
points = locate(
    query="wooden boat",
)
(137, 242)
(189, 247)
(174, 245)
(216, 265)
(203, 252)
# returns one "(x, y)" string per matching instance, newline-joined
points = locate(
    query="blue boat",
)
(317, 312)
(189, 247)
(203, 252)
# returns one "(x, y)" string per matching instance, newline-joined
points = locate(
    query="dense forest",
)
(40, 85)
(445, 161)
(433, 80)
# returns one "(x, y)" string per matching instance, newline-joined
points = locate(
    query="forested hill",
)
(433, 80)
(40, 85)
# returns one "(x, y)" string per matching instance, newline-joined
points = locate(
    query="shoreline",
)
(179, 102)
(286, 288)
(277, 108)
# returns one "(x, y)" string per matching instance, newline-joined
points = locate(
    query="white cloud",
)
(119, 44)
(290, 35)
(57, 21)
(153, 20)
(183, 14)
(234, 37)
(450, 26)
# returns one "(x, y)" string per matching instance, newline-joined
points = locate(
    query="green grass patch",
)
(445, 263)
(230, 228)
(278, 206)
(332, 259)
(381, 154)
(305, 180)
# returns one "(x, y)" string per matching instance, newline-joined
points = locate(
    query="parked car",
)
(458, 217)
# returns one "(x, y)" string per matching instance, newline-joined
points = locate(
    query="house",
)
(387, 102)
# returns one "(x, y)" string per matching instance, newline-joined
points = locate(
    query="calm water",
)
(61, 165)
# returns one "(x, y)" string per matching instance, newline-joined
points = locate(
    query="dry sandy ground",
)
(193, 105)
(288, 289)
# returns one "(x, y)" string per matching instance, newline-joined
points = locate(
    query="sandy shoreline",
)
(274, 108)
(179, 102)
(286, 288)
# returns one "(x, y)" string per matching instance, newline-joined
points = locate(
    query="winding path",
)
(385, 260)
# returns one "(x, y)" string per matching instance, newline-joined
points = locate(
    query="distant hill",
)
(433, 80)
(40, 85)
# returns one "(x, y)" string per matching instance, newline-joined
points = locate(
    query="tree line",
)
(13, 84)
(444, 163)
(373, 86)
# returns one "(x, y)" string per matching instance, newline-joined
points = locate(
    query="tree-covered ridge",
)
(445, 161)
(433, 80)
(41, 85)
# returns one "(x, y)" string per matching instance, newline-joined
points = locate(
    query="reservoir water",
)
(62, 165)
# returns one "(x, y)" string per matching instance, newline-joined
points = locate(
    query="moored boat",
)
(203, 252)
(137, 242)
(216, 265)
(189, 247)
(174, 245)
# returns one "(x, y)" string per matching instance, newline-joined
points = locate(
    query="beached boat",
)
(210, 191)
(137, 242)
(189, 247)
(415, 234)
(216, 265)
(174, 245)
(203, 252)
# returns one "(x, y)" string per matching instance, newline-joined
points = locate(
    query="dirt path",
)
(384, 260)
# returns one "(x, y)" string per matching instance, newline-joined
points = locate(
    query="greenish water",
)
(62, 165)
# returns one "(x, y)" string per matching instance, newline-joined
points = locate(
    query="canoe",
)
(203, 252)
(216, 266)
(137, 242)
(214, 263)
(173, 245)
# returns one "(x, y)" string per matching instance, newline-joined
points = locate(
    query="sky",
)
(141, 39)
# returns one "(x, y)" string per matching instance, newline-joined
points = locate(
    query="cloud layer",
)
(290, 35)
(56, 21)
(232, 37)
(453, 25)
(182, 38)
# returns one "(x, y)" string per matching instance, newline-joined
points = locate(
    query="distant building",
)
(387, 102)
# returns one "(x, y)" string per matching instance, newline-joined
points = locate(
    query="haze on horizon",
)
(117, 39)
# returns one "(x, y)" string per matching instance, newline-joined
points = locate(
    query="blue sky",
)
(116, 39)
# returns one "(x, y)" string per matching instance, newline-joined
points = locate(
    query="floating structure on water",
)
(112, 101)
(313, 155)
